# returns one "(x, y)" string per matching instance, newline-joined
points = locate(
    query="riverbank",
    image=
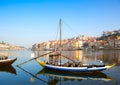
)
(108, 49)
(11, 47)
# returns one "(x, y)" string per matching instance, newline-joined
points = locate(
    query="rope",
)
(72, 30)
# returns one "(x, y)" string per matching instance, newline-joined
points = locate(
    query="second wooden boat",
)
(5, 61)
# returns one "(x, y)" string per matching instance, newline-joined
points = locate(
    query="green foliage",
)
(2, 42)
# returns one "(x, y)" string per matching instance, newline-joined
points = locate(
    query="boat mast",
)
(60, 35)
(60, 39)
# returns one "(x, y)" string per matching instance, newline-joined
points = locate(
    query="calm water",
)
(32, 73)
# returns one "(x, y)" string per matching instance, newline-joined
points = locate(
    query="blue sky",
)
(25, 22)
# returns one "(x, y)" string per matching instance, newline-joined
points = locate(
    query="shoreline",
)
(108, 49)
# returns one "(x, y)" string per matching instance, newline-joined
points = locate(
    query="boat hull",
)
(7, 62)
(74, 69)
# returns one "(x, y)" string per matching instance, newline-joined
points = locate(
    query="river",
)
(31, 73)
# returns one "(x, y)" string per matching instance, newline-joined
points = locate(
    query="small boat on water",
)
(71, 68)
(5, 61)
(76, 68)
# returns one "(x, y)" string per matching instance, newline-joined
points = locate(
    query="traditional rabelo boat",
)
(77, 67)
(5, 61)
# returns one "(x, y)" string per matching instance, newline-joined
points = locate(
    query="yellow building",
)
(78, 44)
(118, 37)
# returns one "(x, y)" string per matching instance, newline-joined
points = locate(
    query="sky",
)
(26, 22)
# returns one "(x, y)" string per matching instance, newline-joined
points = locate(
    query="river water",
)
(31, 73)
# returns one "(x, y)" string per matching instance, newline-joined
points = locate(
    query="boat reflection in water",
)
(8, 69)
(55, 77)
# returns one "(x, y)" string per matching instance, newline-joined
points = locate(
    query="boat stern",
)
(110, 66)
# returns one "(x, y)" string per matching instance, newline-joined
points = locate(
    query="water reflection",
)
(111, 56)
(9, 53)
(51, 77)
(54, 77)
(3, 53)
(107, 56)
(8, 69)
(33, 75)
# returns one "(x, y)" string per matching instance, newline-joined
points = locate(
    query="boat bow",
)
(41, 62)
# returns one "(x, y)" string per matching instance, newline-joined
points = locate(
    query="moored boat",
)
(73, 68)
(5, 61)
(76, 68)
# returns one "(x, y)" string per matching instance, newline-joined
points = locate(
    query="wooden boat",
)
(5, 61)
(82, 68)
(74, 69)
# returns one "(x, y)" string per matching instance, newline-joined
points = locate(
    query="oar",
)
(34, 58)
